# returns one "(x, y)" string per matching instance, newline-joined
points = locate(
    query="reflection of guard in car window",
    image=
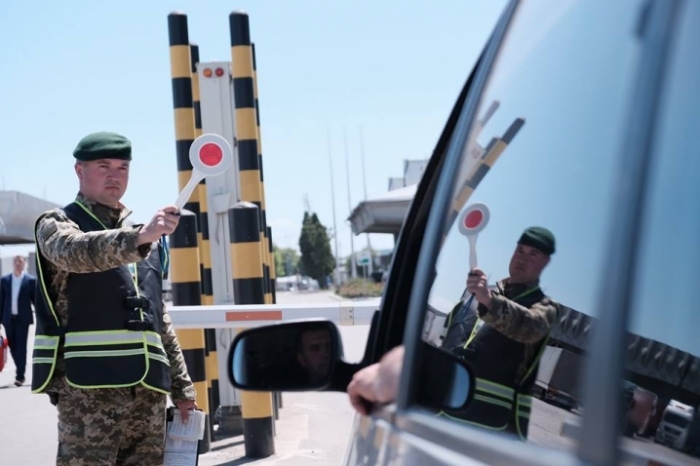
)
(504, 338)
(314, 353)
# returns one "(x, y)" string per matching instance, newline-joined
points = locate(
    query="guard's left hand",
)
(184, 407)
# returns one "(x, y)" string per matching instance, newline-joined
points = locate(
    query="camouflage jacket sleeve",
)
(526, 325)
(71, 250)
(182, 387)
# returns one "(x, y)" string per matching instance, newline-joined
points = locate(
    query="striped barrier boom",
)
(342, 313)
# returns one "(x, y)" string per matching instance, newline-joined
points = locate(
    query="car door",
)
(555, 131)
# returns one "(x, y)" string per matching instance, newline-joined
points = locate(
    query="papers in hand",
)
(182, 439)
(192, 430)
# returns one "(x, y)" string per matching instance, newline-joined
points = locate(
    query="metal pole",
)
(364, 182)
(248, 282)
(335, 225)
(210, 354)
(353, 264)
(185, 277)
(269, 263)
(273, 266)
(249, 155)
(247, 229)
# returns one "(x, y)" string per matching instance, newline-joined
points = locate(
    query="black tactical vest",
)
(501, 401)
(115, 319)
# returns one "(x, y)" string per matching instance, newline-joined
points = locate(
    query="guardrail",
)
(256, 315)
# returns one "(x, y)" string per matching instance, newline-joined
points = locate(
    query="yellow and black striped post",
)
(273, 287)
(273, 271)
(268, 253)
(491, 153)
(250, 178)
(212, 368)
(269, 262)
(203, 219)
(185, 276)
(248, 284)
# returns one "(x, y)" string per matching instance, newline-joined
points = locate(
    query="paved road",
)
(546, 426)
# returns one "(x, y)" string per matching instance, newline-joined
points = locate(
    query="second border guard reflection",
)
(504, 339)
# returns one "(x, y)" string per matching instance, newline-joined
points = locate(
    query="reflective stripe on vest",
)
(75, 340)
(160, 358)
(45, 342)
(42, 360)
(524, 405)
(491, 388)
(493, 401)
(111, 337)
(102, 353)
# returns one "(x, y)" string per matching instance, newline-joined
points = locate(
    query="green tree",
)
(286, 261)
(316, 257)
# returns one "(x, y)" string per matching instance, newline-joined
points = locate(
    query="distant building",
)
(413, 171)
(396, 183)
(18, 212)
(385, 214)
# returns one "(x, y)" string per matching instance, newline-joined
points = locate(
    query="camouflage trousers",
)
(110, 426)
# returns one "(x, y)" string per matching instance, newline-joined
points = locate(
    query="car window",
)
(538, 174)
(664, 351)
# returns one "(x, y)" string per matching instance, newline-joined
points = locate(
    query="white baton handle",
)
(186, 192)
(472, 251)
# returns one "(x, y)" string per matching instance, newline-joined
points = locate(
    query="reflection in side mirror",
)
(460, 390)
(449, 380)
(291, 356)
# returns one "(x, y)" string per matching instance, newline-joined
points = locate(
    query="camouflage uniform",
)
(114, 425)
(528, 325)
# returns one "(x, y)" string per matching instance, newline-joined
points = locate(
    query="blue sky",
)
(391, 68)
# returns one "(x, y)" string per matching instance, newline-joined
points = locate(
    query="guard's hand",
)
(163, 222)
(478, 285)
(185, 406)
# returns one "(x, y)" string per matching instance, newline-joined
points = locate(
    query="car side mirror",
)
(290, 356)
(448, 381)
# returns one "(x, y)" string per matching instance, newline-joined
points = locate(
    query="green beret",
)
(539, 238)
(103, 145)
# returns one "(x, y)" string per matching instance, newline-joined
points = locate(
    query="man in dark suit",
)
(16, 301)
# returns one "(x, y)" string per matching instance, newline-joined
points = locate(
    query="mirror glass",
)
(451, 380)
(286, 357)
(458, 393)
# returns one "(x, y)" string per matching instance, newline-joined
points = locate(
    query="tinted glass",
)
(543, 153)
(295, 356)
(664, 351)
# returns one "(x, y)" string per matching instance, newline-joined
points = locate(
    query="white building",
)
(385, 214)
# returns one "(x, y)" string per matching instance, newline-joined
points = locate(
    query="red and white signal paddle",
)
(210, 155)
(471, 222)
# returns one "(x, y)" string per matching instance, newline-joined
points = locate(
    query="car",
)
(582, 117)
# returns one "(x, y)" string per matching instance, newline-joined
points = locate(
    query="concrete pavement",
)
(313, 428)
